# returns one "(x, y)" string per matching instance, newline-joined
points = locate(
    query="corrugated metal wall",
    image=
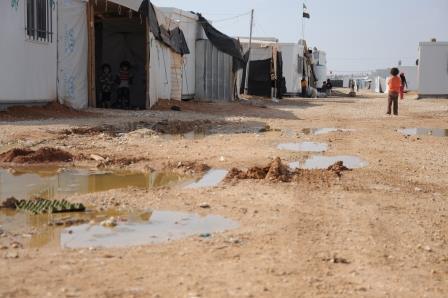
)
(214, 77)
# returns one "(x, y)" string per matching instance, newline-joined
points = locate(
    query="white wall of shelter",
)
(27, 65)
(290, 54)
(433, 69)
(43, 71)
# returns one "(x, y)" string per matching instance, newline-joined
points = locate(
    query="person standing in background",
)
(303, 84)
(394, 90)
(329, 86)
(404, 84)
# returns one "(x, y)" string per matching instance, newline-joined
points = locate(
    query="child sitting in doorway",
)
(107, 83)
(124, 80)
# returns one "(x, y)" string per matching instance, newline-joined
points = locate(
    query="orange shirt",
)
(394, 84)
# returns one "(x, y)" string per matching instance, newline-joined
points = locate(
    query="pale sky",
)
(358, 35)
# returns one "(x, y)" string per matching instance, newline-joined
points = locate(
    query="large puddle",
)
(325, 130)
(303, 147)
(436, 132)
(89, 230)
(323, 162)
(162, 226)
(48, 183)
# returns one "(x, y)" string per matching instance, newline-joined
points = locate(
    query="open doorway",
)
(118, 59)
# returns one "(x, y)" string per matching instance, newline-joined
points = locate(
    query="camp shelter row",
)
(55, 49)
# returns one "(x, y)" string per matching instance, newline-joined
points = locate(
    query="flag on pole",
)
(306, 14)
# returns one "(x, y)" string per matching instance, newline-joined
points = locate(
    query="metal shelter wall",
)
(214, 76)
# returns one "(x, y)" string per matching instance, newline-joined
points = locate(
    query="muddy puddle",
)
(48, 183)
(325, 130)
(161, 227)
(88, 229)
(193, 130)
(323, 162)
(210, 179)
(304, 147)
(435, 132)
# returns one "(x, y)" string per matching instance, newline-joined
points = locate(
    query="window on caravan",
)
(39, 20)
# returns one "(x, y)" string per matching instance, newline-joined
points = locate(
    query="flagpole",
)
(303, 21)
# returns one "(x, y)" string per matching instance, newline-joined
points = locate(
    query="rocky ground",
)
(372, 232)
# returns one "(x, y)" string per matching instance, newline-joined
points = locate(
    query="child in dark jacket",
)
(107, 83)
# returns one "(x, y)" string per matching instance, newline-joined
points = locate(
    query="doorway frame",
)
(91, 68)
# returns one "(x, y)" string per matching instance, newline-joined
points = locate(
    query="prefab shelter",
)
(28, 60)
(433, 69)
(290, 54)
(219, 65)
(411, 73)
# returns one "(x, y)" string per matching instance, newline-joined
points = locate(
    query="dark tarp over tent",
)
(174, 39)
(224, 43)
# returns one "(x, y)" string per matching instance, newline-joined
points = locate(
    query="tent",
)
(265, 69)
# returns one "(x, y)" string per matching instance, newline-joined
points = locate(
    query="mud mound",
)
(277, 171)
(338, 168)
(41, 155)
(9, 203)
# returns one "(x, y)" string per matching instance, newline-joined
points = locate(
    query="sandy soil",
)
(380, 231)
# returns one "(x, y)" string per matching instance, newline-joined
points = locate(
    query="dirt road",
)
(378, 231)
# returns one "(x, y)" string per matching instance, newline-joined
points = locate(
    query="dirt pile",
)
(275, 171)
(338, 168)
(278, 172)
(42, 155)
(9, 203)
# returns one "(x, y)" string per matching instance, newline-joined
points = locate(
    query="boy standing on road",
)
(394, 90)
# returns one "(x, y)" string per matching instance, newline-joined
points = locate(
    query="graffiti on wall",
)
(15, 4)
(69, 40)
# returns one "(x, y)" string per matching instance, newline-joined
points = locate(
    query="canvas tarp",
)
(159, 71)
(73, 48)
(224, 43)
(166, 30)
(132, 4)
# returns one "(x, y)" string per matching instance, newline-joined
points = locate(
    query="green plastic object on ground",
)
(41, 206)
